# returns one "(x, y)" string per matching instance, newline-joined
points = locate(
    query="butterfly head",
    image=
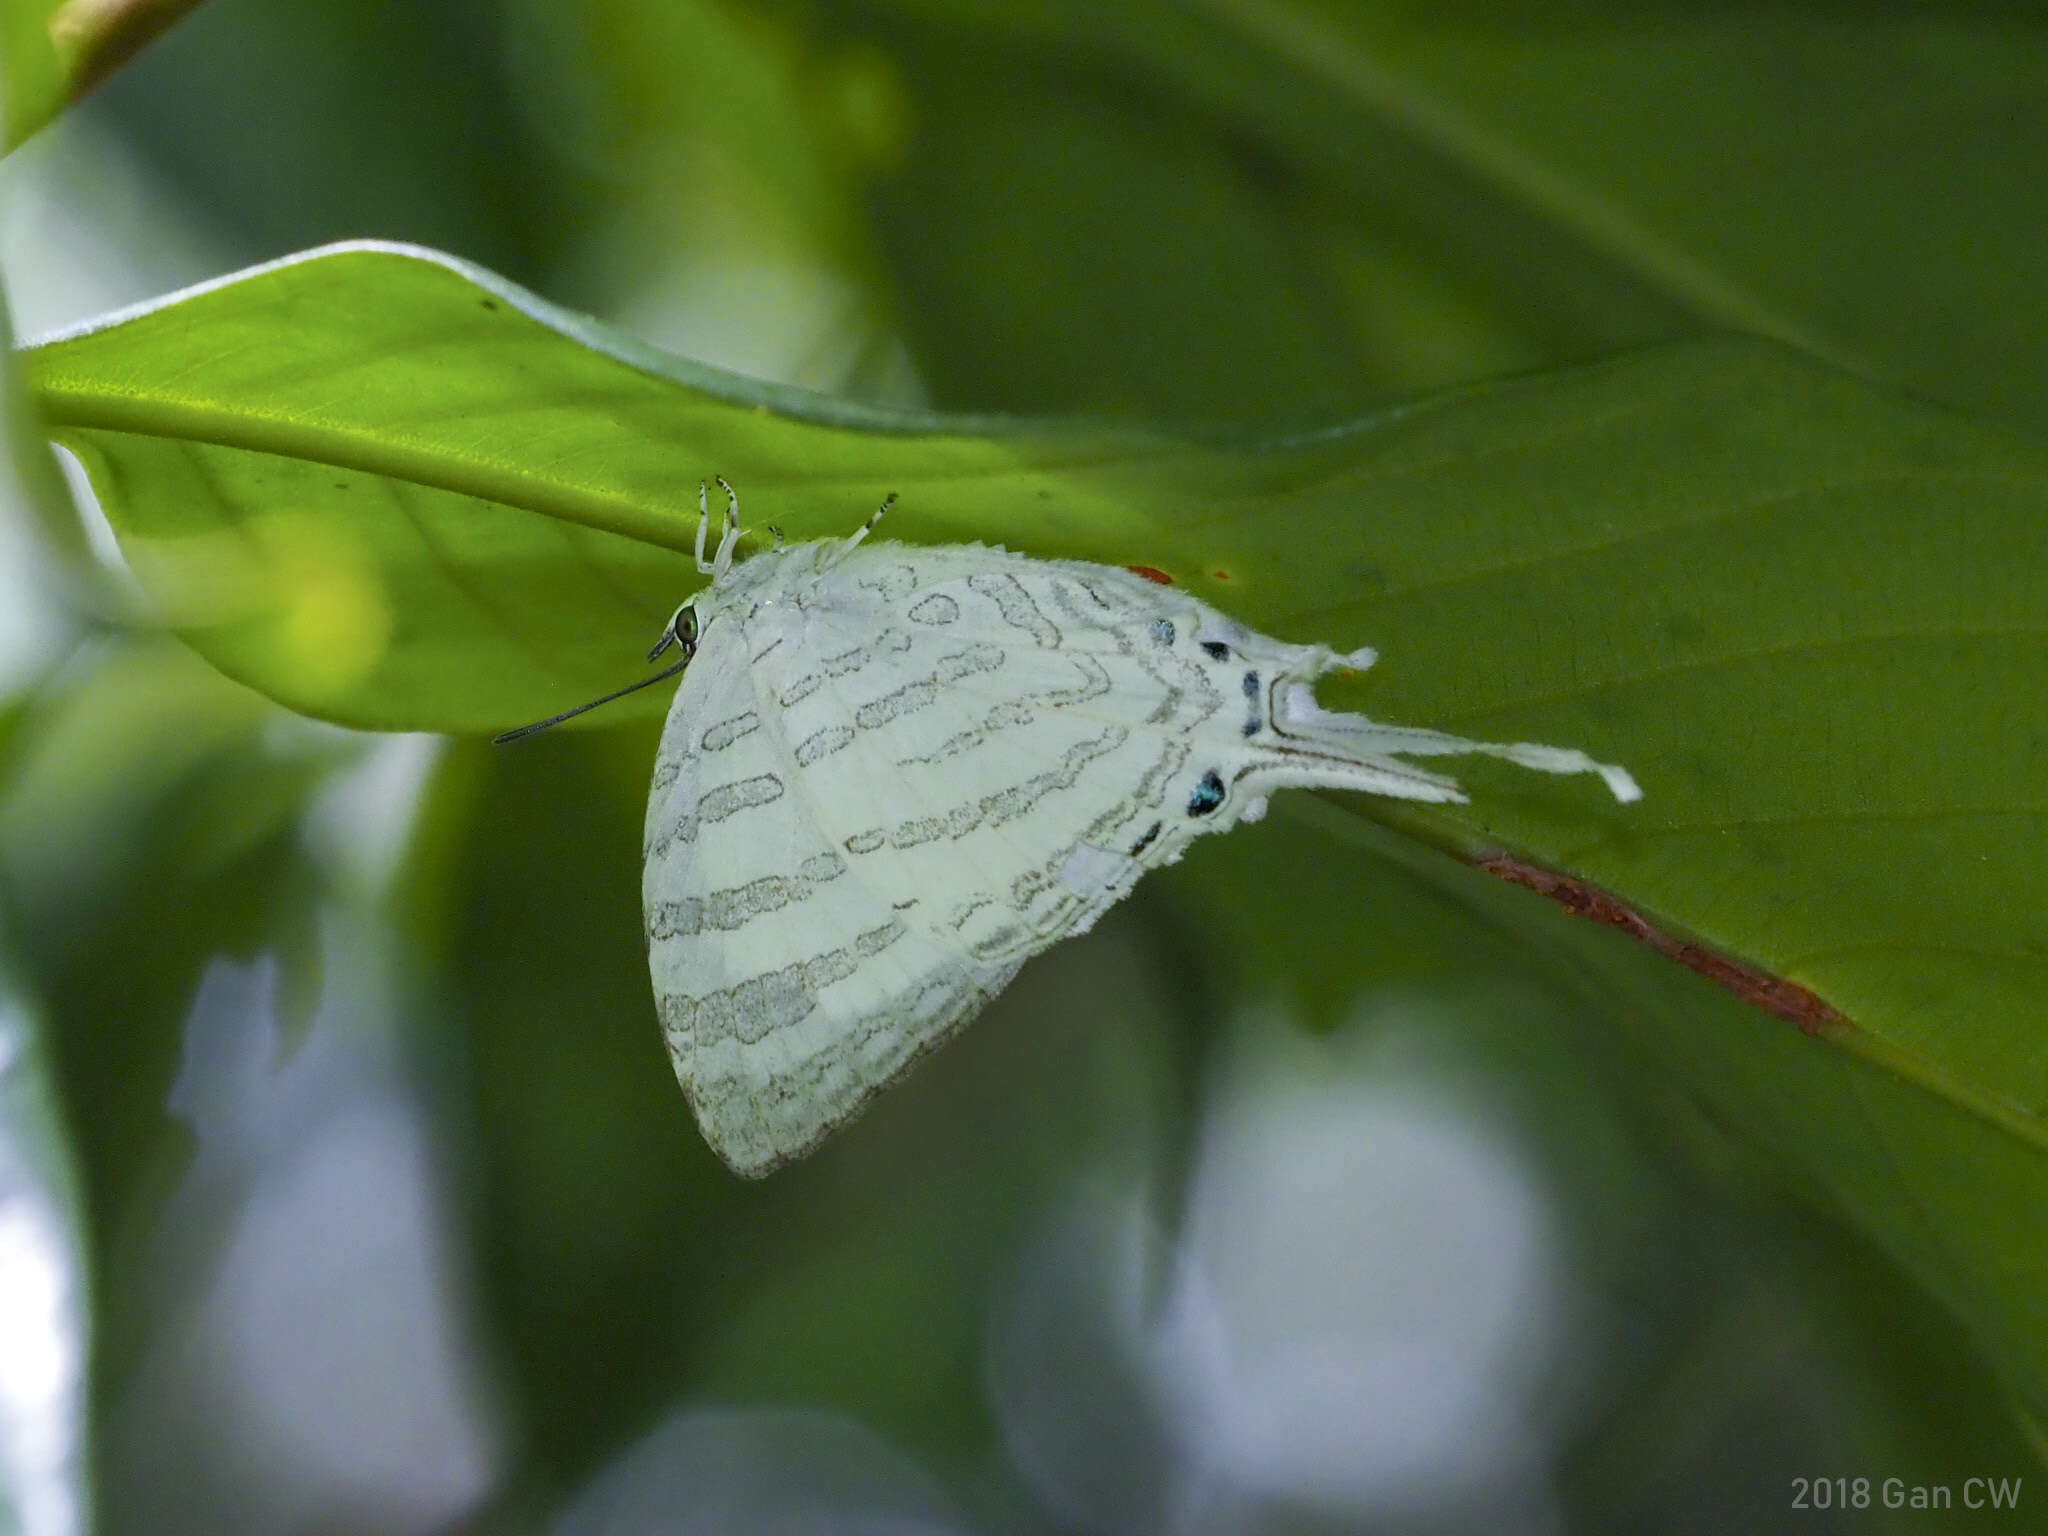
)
(680, 632)
(679, 635)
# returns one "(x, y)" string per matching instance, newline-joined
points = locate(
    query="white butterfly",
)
(893, 773)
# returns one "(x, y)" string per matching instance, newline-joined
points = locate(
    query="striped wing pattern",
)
(892, 775)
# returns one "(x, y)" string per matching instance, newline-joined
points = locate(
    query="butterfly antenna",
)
(569, 714)
(680, 631)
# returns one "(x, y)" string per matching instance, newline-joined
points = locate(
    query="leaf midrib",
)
(435, 469)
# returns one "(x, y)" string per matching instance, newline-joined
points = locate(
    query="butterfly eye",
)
(680, 632)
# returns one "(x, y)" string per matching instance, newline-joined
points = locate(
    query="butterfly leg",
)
(703, 523)
(722, 561)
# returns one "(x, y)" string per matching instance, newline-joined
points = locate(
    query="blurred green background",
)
(346, 1186)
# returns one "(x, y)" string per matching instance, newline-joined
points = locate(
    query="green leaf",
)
(395, 491)
(1716, 164)
(1572, 178)
(1156, 207)
(1805, 614)
(53, 51)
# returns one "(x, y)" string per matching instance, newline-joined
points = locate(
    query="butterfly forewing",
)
(795, 980)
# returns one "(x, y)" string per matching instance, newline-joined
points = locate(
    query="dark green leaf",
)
(1551, 181)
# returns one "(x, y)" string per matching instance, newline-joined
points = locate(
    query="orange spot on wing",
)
(1151, 573)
